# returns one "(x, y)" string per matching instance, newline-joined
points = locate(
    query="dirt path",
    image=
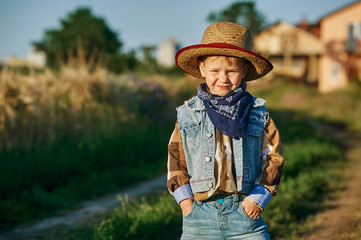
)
(87, 210)
(343, 220)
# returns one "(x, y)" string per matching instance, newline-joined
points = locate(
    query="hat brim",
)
(187, 59)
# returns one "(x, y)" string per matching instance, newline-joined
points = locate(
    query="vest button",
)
(210, 185)
(208, 159)
(209, 135)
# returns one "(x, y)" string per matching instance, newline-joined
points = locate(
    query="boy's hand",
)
(186, 206)
(251, 208)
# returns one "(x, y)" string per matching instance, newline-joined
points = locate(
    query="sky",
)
(140, 22)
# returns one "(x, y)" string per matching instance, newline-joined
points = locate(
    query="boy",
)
(225, 155)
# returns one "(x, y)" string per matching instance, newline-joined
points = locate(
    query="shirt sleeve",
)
(272, 164)
(178, 178)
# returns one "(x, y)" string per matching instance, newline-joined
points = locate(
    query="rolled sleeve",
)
(261, 196)
(182, 193)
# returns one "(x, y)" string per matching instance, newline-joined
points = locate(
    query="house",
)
(340, 33)
(166, 51)
(294, 52)
(309, 27)
(34, 59)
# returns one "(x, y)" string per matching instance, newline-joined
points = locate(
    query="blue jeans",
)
(222, 218)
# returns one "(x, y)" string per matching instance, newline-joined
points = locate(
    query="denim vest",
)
(198, 136)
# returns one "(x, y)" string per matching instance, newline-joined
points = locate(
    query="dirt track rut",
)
(87, 210)
(343, 220)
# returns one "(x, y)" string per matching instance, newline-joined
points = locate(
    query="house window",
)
(354, 34)
(335, 74)
(357, 30)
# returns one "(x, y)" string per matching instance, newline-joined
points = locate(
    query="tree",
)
(244, 13)
(81, 33)
(121, 62)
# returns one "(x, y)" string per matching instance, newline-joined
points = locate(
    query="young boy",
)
(225, 154)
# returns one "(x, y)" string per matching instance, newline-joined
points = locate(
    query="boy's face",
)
(223, 74)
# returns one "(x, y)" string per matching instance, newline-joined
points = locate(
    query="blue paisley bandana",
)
(229, 114)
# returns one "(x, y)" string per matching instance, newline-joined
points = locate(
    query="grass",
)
(78, 134)
(144, 220)
(312, 173)
(150, 217)
(338, 107)
(59, 177)
(75, 134)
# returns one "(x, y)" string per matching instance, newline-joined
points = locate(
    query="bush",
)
(158, 219)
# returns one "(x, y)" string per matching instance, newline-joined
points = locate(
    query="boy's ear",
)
(201, 69)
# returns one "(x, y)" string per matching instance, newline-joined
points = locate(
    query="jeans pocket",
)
(245, 215)
(192, 210)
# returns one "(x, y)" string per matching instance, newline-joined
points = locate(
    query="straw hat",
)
(224, 39)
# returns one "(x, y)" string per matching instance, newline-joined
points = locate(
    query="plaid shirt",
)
(271, 157)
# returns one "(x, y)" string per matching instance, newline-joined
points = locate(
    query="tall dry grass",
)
(38, 108)
(33, 106)
(76, 133)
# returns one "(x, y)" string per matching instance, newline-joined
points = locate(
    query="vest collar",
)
(195, 104)
(258, 102)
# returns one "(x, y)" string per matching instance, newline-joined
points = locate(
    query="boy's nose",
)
(223, 77)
